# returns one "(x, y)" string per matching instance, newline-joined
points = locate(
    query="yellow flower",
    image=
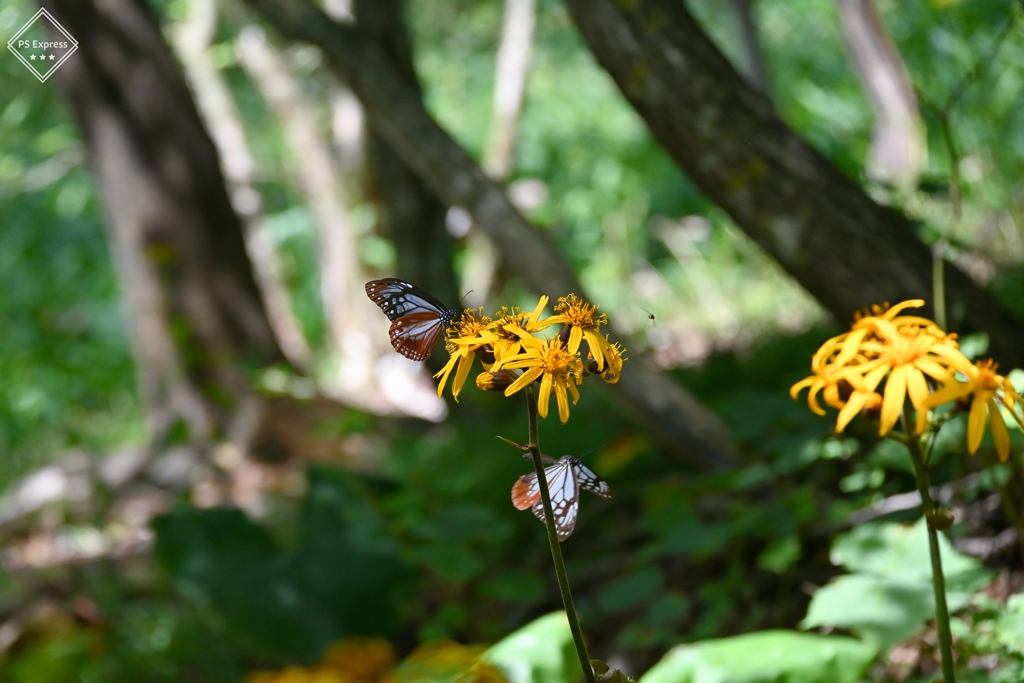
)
(614, 356)
(471, 332)
(509, 320)
(982, 386)
(583, 323)
(360, 660)
(297, 674)
(902, 350)
(550, 362)
(445, 661)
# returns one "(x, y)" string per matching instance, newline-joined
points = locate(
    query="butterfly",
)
(565, 478)
(418, 320)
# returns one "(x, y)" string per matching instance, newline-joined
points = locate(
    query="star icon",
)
(51, 58)
(32, 57)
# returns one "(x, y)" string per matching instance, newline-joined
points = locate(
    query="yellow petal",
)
(933, 369)
(444, 372)
(1000, 436)
(535, 316)
(917, 387)
(894, 311)
(850, 410)
(523, 380)
(544, 396)
(957, 359)
(575, 337)
(872, 379)
(794, 391)
(975, 426)
(892, 400)
(563, 402)
(465, 363)
(849, 348)
(598, 346)
(831, 396)
(574, 391)
(812, 396)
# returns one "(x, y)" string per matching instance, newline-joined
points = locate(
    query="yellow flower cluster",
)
(373, 660)
(356, 660)
(514, 354)
(887, 358)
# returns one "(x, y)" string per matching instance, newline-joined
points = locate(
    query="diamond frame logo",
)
(72, 45)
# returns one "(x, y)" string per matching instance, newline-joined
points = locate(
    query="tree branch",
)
(898, 149)
(396, 113)
(845, 249)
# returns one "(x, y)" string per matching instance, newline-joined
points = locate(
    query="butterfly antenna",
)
(464, 296)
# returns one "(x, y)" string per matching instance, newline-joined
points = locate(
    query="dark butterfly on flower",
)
(565, 479)
(418, 320)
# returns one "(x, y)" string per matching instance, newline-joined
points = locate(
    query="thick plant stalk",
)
(556, 549)
(938, 579)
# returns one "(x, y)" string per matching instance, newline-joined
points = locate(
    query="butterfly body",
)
(418, 319)
(565, 479)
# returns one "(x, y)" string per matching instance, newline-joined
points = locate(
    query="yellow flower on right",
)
(982, 389)
(887, 360)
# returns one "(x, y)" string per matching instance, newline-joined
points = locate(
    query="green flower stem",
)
(556, 548)
(938, 580)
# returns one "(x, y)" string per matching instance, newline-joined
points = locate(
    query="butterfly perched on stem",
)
(565, 478)
(418, 319)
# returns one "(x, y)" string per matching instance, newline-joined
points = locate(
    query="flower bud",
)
(940, 519)
(493, 381)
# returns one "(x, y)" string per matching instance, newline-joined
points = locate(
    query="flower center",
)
(556, 360)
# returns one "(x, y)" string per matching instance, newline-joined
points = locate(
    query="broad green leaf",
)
(765, 657)
(540, 652)
(898, 551)
(889, 595)
(884, 611)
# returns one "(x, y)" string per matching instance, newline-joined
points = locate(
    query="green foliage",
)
(765, 657)
(540, 652)
(993, 630)
(888, 594)
(66, 368)
(678, 555)
(286, 604)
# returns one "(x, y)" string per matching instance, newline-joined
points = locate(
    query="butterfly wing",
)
(418, 320)
(398, 298)
(589, 481)
(526, 491)
(414, 335)
(565, 497)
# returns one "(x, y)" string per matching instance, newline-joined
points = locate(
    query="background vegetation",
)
(401, 528)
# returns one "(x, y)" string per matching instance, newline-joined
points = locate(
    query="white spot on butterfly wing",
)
(564, 497)
(589, 480)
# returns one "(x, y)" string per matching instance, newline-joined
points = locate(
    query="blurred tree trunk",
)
(844, 248)
(193, 306)
(192, 41)
(512, 66)
(395, 110)
(412, 215)
(898, 149)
